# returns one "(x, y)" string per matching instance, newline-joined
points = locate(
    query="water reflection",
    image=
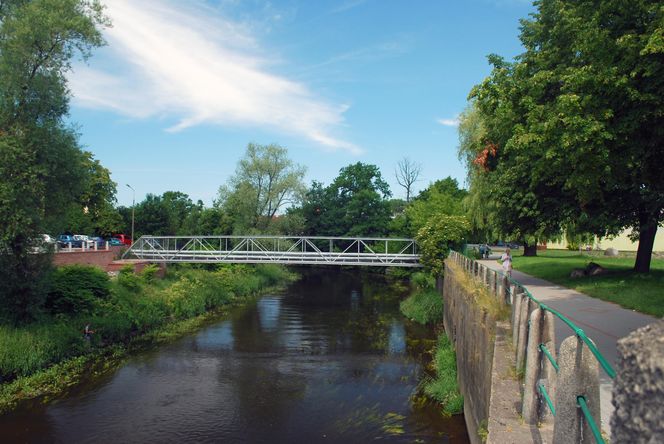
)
(331, 359)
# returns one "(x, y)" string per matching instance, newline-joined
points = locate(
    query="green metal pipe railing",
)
(548, 400)
(579, 332)
(546, 352)
(581, 400)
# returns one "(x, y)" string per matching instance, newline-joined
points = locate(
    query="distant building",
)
(621, 242)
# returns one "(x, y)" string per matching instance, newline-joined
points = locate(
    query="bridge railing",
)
(560, 386)
(370, 251)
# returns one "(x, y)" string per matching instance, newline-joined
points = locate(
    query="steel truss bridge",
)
(289, 250)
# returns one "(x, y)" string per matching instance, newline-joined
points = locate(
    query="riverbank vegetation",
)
(637, 291)
(425, 306)
(45, 356)
(444, 387)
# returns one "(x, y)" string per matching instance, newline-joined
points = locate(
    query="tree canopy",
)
(572, 130)
(265, 181)
(354, 204)
(43, 167)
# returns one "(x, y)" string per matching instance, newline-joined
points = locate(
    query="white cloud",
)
(181, 60)
(449, 122)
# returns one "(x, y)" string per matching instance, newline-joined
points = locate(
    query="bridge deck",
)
(381, 252)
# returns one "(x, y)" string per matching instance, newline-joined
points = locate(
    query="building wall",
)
(622, 242)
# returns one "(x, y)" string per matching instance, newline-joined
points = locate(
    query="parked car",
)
(126, 240)
(67, 240)
(100, 241)
(43, 244)
(114, 241)
(84, 240)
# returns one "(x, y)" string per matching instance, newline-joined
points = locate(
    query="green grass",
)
(423, 307)
(444, 387)
(637, 291)
(425, 304)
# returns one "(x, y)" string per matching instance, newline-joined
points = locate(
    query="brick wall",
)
(100, 258)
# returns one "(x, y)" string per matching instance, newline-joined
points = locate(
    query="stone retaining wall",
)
(486, 360)
(472, 330)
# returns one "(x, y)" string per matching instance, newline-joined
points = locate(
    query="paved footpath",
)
(603, 322)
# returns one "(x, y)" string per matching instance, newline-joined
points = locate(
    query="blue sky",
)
(182, 87)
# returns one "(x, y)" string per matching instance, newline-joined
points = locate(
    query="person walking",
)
(506, 259)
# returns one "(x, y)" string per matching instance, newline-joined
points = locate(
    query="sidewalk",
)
(603, 322)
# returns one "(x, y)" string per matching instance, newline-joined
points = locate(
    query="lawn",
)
(641, 292)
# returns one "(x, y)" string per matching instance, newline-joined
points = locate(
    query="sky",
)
(181, 88)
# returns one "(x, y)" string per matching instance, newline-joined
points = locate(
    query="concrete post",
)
(578, 376)
(516, 314)
(539, 368)
(522, 340)
(530, 399)
(513, 288)
(638, 390)
(505, 292)
(548, 372)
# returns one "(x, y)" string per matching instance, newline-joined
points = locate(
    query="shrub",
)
(149, 272)
(184, 299)
(423, 307)
(423, 281)
(128, 279)
(75, 288)
(437, 236)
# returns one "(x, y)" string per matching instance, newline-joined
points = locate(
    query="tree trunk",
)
(529, 250)
(647, 232)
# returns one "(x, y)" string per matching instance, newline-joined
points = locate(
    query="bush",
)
(437, 236)
(149, 272)
(423, 281)
(128, 279)
(424, 307)
(76, 288)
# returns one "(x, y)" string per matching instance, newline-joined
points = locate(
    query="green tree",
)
(94, 212)
(43, 166)
(354, 204)
(265, 180)
(152, 217)
(438, 235)
(206, 221)
(575, 122)
(441, 197)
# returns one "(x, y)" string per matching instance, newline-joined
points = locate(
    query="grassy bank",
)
(444, 387)
(425, 306)
(47, 356)
(637, 291)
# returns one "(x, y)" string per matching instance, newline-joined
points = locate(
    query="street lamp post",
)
(133, 205)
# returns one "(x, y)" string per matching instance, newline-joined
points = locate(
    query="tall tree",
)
(265, 181)
(407, 173)
(354, 204)
(576, 122)
(43, 166)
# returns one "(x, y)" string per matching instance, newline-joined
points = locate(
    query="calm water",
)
(329, 360)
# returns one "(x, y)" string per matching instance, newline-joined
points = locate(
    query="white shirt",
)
(507, 261)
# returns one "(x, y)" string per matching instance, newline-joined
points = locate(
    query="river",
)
(330, 359)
